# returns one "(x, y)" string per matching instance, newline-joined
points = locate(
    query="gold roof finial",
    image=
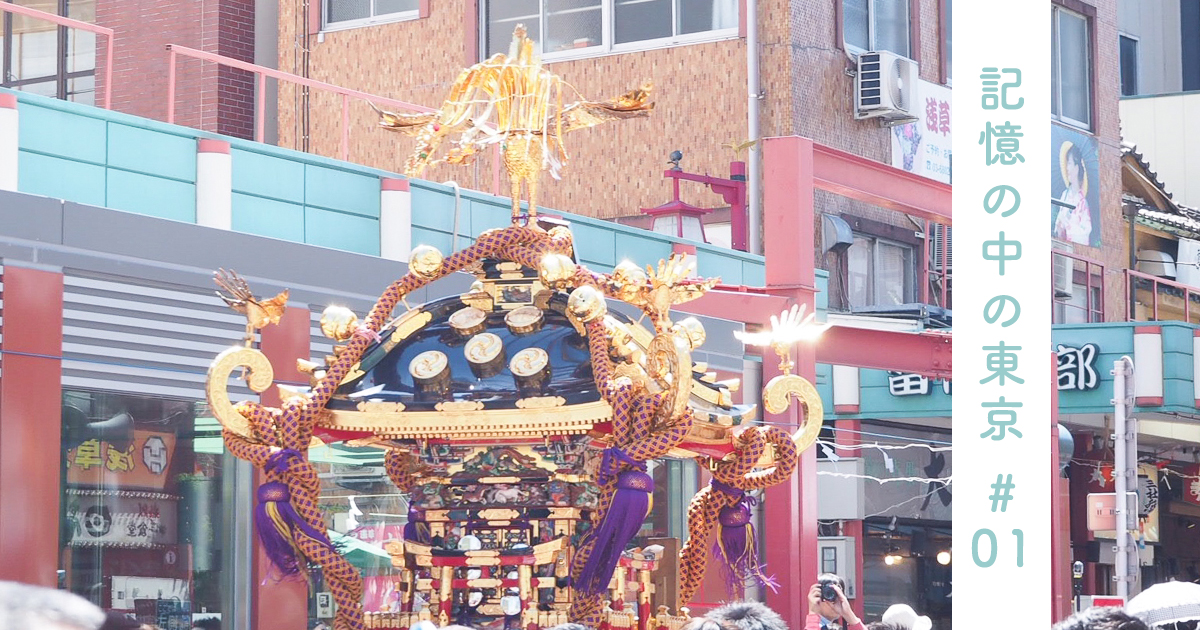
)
(513, 101)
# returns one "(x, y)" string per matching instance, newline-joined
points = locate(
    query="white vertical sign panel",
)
(1002, 145)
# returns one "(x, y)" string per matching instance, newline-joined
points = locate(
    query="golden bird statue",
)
(513, 101)
(259, 313)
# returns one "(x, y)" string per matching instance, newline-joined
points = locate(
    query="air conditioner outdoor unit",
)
(885, 87)
(943, 239)
(1064, 271)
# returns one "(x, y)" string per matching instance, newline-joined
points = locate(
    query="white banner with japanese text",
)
(1005, 372)
(923, 147)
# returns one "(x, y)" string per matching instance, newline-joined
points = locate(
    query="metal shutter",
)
(131, 336)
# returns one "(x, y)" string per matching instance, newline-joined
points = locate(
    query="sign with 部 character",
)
(1077, 367)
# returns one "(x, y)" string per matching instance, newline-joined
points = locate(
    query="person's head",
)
(35, 607)
(118, 621)
(1074, 167)
(707, 623)
(748, 616)
(904, 617)
(1101, 619)
(828, 609)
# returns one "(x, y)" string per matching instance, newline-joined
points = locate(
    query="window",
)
(1071, 84)
(876, 25)
(141, 530)
(566, 27)
(39, 57)
(1129, 65)
(348, 13)
(879, 272)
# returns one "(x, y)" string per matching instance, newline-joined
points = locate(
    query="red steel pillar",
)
(790, 516)
(1060, 532)
(31, 425)
(281, 605)
(853, 529)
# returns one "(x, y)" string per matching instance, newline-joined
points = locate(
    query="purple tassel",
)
(268, 517)
(279, 526)
(415, 530)
(737, 550)
(621, 523)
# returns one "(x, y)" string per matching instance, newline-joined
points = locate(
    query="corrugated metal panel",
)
(320, 346)
(127, 335)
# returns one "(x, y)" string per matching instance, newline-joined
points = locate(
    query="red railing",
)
(261, 73)
(83, 26)
(1093, 306)
(1150, 298)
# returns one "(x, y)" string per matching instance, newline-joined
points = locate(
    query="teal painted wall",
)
(93, 156)
(1115, 341)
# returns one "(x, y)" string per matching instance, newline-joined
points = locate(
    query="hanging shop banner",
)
(127, 519)
(1075, 184)
(908, 482)
(142, 461)
(923, 147)
(1148, 498)
(1191, 484)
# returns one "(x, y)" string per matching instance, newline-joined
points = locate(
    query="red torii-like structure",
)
(794, 169)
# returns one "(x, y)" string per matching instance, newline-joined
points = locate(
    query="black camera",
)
(828, 592)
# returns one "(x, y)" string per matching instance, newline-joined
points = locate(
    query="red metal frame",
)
(280, 604)
(732, 190)
(83, 26)
(1093, 309)
(31, 425)
(261, 73)
(794, 168)
(1188, 293)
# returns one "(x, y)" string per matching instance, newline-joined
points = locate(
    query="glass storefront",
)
(141, 526)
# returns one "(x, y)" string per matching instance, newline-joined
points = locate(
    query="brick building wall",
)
(615, 169)
(1114, 249)
(208, 98)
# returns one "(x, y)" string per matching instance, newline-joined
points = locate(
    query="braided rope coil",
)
(645, 425)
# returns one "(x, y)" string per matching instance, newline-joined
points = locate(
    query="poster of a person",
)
(1075, 216)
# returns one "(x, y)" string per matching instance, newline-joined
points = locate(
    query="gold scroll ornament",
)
(259, 377)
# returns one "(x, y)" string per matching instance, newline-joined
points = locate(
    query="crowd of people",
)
(1170, 606)
(28, 607)
(1165, 606)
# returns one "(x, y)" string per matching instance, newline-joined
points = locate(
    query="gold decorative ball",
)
(556, 270)
(562, 233)
(476, 287)
(587, 304)
(425, 261)
(695, 331)
(630, 278)
(338, 323)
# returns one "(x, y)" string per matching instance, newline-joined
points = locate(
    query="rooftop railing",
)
(75, 24)
(1151, 298)
(261, 73)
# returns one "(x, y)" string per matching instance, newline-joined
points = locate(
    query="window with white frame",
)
(879, 272)
(876, 25)
(347, 13)
(564, 27)
(1129, 65)
(1071, 78)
